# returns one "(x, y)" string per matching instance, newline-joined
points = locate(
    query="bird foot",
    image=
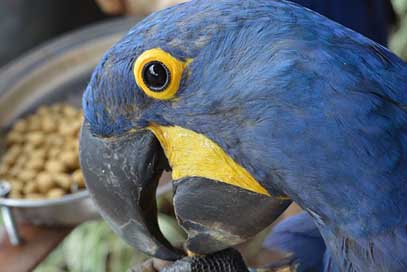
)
(228, 260)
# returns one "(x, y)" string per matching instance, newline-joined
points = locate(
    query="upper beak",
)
(122, 176)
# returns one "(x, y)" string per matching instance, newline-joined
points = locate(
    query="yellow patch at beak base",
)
(191, 154)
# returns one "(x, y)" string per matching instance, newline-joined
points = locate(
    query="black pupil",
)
(156, 76)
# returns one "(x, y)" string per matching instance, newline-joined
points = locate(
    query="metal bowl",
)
(69, 210)
(56, 72)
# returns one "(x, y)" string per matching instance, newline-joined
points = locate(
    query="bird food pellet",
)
(42, 156)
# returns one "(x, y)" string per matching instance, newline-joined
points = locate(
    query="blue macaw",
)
(251, 104)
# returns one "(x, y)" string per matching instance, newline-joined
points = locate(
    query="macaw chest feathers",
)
(191, 154)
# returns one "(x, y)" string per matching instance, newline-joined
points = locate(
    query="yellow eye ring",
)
(158, 74)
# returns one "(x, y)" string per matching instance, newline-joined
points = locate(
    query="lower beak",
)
(122, 176)
(227, 215)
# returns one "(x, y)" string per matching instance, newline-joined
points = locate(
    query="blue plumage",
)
(299, 237)
(307, 106)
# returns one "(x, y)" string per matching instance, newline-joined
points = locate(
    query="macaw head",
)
(234, 97)
(152, 105)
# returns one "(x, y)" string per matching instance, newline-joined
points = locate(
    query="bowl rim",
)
(36, 203)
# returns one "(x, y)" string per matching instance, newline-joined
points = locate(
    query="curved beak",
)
(122, 176)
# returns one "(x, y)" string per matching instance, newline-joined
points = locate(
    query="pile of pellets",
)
(42, 154)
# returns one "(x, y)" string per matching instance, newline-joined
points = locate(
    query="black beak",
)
(122, 176)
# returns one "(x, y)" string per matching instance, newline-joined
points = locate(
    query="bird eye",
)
(158, 74)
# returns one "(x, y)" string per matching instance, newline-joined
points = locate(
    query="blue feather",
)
(298, 236)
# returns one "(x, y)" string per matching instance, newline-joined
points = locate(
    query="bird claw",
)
(228, 260)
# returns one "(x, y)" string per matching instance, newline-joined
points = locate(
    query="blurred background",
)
(27, 25)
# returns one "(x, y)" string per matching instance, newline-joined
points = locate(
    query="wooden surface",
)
(38, 243)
